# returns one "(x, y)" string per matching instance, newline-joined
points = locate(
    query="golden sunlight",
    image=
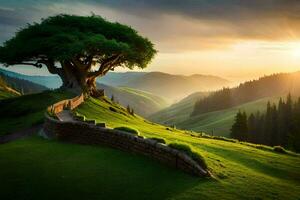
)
(296, 51)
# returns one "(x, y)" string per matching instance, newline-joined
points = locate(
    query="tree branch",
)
(37, 64)
(105, 66)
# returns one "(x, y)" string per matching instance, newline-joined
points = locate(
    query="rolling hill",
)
(169, 86)
(240, 171)
(6, 91)
(51, 82)
(27, 110)
(179, 111)
(268, 86)
(217, 118)
(143, 103)
(23, 86)
(219, 122)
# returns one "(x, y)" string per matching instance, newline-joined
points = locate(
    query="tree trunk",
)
(78, 81)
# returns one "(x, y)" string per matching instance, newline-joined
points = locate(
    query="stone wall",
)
(84, 133)
(68, 103)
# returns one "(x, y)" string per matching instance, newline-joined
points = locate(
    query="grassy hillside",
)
(6, 91)
(219, 122)
(239, 171)
(143, 103)
(6, 94)
(27, 110)
(268, 86)
(179, 111)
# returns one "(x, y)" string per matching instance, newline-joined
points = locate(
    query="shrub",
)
(112, 109)
(128, 130)
(279, 149)
(187, 149)
(225, 139)
(159, 140)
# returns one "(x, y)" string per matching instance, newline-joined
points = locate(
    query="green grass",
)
(24, 111)
(143, 103)
(128, 130)
(217, 123)
(240, 171)
(4, 94)
(158, 101)
(179, 111)
(34, 168)
(187, 149)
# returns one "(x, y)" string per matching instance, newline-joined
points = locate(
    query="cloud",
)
(172, 24)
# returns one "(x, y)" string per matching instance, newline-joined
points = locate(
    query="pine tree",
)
(112, 98)
(281, 122)
(239, 129)
(294, 136)
(274, 126)
(128, 109)
(267, 126)
(251, 128)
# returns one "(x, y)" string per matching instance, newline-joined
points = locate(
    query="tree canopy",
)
(87, 45)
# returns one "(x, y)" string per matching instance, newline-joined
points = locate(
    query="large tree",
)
(78, 49)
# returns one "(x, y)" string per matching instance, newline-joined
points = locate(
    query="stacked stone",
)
(91, 134)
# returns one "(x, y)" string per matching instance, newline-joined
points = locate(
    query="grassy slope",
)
(24, 111)
(34, 168)
(241, 172)
(5, 91)
(6, 94)
(219, 122)
(178, 111)
(143, 103)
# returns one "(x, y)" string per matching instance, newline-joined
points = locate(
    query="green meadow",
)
(37, 167)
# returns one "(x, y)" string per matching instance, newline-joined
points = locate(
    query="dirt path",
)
(65, 116)
(20, 134)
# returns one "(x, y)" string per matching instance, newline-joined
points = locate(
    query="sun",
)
(296, 51)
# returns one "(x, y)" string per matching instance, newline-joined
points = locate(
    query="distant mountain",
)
(143, 103)
(119, 79)
(170, 86)
(50, 82)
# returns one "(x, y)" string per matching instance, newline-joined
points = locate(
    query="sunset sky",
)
(229, 38)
